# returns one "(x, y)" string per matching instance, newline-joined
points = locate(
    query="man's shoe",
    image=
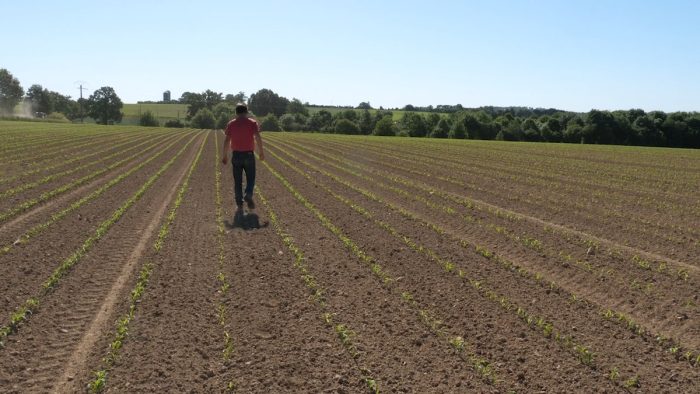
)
(249, 200)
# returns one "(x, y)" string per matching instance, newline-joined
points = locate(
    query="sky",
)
(571, 55)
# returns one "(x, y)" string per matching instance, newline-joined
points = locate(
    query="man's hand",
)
(262, 156)
(224, 160)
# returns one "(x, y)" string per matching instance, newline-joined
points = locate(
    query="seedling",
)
(632, 382)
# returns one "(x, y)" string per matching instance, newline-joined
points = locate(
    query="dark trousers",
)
(243, 161)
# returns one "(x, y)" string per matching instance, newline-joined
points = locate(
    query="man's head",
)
(241, 109)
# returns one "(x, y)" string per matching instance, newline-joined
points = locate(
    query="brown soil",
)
(281, 340)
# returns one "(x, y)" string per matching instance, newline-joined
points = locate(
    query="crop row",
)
(122, 329)
(65, 161)
(485, 252)
(669, 268)
(561, 256)
(32, 304)
(448, 266)
(12, 212)
(49, 149)
(429, 318)
(224, 285)
(39, 228)
(43, 163)
(541, 179)
(55, 176)
(539, 175)
(342, 331)
(659, 170)
(554, 200)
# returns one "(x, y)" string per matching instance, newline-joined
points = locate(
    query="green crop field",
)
(163, 112)
(516, 267)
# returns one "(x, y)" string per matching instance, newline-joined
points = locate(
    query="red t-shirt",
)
(241, 132)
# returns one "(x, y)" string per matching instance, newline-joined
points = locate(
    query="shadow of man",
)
(245, 221)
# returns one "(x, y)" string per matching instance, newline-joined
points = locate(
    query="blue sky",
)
(573, 55)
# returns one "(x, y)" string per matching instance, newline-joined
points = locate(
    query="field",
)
(381, 265)
(164, 112)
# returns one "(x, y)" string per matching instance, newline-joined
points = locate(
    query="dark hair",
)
(241, 109)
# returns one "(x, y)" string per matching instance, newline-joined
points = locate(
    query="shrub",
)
(148, 119)
(174, 123)
(385, 126)
(57, 117)
(345, 126)
(270, 123)
(204, 119)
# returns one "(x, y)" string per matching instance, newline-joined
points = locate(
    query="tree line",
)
(213, 110)
(104, 106)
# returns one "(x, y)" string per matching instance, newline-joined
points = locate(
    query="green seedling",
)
(632, 382)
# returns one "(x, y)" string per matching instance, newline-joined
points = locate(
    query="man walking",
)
(242, 135)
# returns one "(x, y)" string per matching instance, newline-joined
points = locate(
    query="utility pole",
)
(81, 102)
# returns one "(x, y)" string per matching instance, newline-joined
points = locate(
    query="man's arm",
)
(259, 144)
(224, 153)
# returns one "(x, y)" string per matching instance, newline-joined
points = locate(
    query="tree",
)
(65, 105)
(105, 106)
(600, 128)
(413, 124)
(319, 121)
(346, 126)
(289, 123)
(148, 119)
(265, 101)
(364, 105)
(41, 99)
(270, 123)
(204, 119)
(385, 126)
(211, 98)
(458, 131)
(224, 109)
(366, 124)
(646, 132)
(441, 130)
(11, 92)
(296, 107)
(234, 99)
(194, 101)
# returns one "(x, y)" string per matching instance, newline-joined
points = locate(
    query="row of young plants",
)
(28, 185)
(585, 355)
(524, 239)
(224, 285)
(485, 252)
(75, 139)
(48, 195)
(495, 170)
(52, 148)
(39, 228)
(65, 161)
(31, 305)
(430, 319)
(32, 140)
(549, 176)
(122, 329)
(669, 268)
(346, 335)
(559, 195)
(644, 286)
(533, 243)
(644, 173)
